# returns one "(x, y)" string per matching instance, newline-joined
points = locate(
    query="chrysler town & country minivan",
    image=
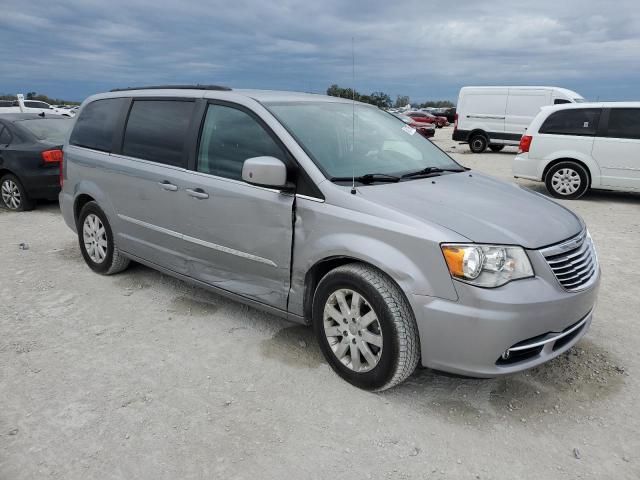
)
(335, 214)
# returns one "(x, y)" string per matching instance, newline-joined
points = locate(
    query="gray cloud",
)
(425, 49)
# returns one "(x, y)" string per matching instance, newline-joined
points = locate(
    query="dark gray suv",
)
(335, 214)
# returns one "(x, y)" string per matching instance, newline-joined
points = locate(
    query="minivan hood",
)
(480, 208)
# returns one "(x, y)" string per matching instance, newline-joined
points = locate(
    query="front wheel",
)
(365, 327)
(478, 143)
(568, 180)
(97, 243)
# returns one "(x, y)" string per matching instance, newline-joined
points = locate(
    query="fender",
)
(88, 187)
(427, 276)
(594, 168)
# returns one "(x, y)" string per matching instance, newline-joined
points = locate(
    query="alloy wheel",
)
(95, 238)
(11, 194)
(353, 331)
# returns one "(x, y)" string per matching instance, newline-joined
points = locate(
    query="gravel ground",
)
(142, 376)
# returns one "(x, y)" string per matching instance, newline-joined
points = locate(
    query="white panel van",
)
(497, 116)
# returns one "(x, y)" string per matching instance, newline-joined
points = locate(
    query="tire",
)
(104, 257)
(478, 143)
(496, 148)
(13, 196)
(568, 180)
(391, 337)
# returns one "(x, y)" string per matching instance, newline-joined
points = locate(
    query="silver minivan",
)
(334, 214)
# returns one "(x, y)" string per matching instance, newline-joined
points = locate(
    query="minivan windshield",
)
(345, 139)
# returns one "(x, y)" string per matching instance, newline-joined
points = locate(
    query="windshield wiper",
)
(430, 171)
(368, 178)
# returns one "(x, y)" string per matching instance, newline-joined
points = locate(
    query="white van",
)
(499, 116)
(572, 148)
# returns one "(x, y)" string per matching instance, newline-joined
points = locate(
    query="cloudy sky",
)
(422, 48)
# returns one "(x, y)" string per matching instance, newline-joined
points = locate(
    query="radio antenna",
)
(353, 117)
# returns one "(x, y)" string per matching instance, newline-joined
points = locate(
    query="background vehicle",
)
(427, 130)
(497, 116)
(575, 147)
(20, 105)
(30, 157)
(425, 117)
(274, 199)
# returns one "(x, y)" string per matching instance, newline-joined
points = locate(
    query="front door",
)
(239, 236)
(618, 151)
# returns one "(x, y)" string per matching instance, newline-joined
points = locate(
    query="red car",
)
(427, 130)
(424, 117)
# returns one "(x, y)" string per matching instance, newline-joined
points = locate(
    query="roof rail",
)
(172, 87)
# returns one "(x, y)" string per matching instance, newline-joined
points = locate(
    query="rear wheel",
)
(478, 143)
(96, 241)
(496, 148)
(365, 327)
(568, 180)
(14, 196)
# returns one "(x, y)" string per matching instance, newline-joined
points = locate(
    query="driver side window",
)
(229, 137)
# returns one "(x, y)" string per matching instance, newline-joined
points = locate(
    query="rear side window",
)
(624, 123)
(95, 126)
(578, 121)
(157, 129)
(229, 137)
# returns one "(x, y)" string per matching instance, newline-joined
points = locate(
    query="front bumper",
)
(534, 317)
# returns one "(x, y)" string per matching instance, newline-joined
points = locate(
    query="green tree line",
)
(382, 100)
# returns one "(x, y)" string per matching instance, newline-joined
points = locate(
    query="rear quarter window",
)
(96, 124)
(577, 121)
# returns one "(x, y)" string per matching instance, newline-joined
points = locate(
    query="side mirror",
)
(265, 172)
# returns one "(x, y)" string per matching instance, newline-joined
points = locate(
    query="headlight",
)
(486, 265)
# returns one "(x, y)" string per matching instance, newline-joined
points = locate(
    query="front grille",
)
(574, 262)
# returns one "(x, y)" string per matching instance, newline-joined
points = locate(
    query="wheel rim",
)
(11, 194)
(353, 331)
(477, 144)
(566, 181)
(95, 238)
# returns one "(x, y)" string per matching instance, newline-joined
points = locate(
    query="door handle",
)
(197, 193)
(170, 187)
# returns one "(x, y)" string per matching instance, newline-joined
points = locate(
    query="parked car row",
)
(425, 117)
(568, 144)
(21, 105)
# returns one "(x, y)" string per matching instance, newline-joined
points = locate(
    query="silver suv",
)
(335, 214)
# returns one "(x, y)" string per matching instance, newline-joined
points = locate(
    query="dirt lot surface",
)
(142, 376)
